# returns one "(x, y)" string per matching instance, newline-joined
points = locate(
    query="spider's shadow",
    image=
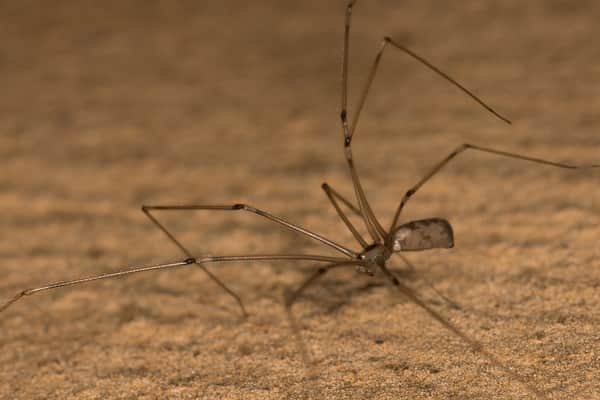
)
(331, 294)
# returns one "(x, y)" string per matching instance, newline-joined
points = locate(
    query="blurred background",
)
(109, 105)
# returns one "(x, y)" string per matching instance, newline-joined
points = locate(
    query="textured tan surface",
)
(106, 106)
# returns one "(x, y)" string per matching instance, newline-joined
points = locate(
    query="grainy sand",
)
(106, 106)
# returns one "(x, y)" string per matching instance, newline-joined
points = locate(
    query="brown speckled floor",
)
(109, 105)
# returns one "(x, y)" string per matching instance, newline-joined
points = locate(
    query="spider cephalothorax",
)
(373, 256)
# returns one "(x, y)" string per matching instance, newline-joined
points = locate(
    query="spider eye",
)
(430, 233)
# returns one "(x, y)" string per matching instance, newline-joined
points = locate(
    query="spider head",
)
(424, 234)
(372, 256)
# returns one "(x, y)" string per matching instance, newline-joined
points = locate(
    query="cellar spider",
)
(375, 250)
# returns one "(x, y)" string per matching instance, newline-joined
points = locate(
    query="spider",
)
(381, 244)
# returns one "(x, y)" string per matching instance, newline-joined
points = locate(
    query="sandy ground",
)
(106, 106)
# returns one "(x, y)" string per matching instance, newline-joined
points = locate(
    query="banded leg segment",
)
(375, 229)
(248, 208)
(341, 198)
(147, 211)
(168, 266)
(373, 226)
(412, 268)
(373, 71)
(459, 150)
(475, 345)
(332, 195)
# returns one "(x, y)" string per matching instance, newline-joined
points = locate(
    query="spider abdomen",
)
(423, 234)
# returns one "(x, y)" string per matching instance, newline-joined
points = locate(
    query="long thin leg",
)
(147, 211)
(467, 146)
(472, 343)
(373, 226)
(428, 283)
(347, 202)
(187, 262)
(389, 41)
(332, 195)
(251, 209)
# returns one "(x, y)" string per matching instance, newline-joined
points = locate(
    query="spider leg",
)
(347, 202)
(466, 146)
(168, 266)
(147, 210)
(475, 345)
(242, 207)
(375, 229)
(332, 195)
(412, 268)
(395, 45)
